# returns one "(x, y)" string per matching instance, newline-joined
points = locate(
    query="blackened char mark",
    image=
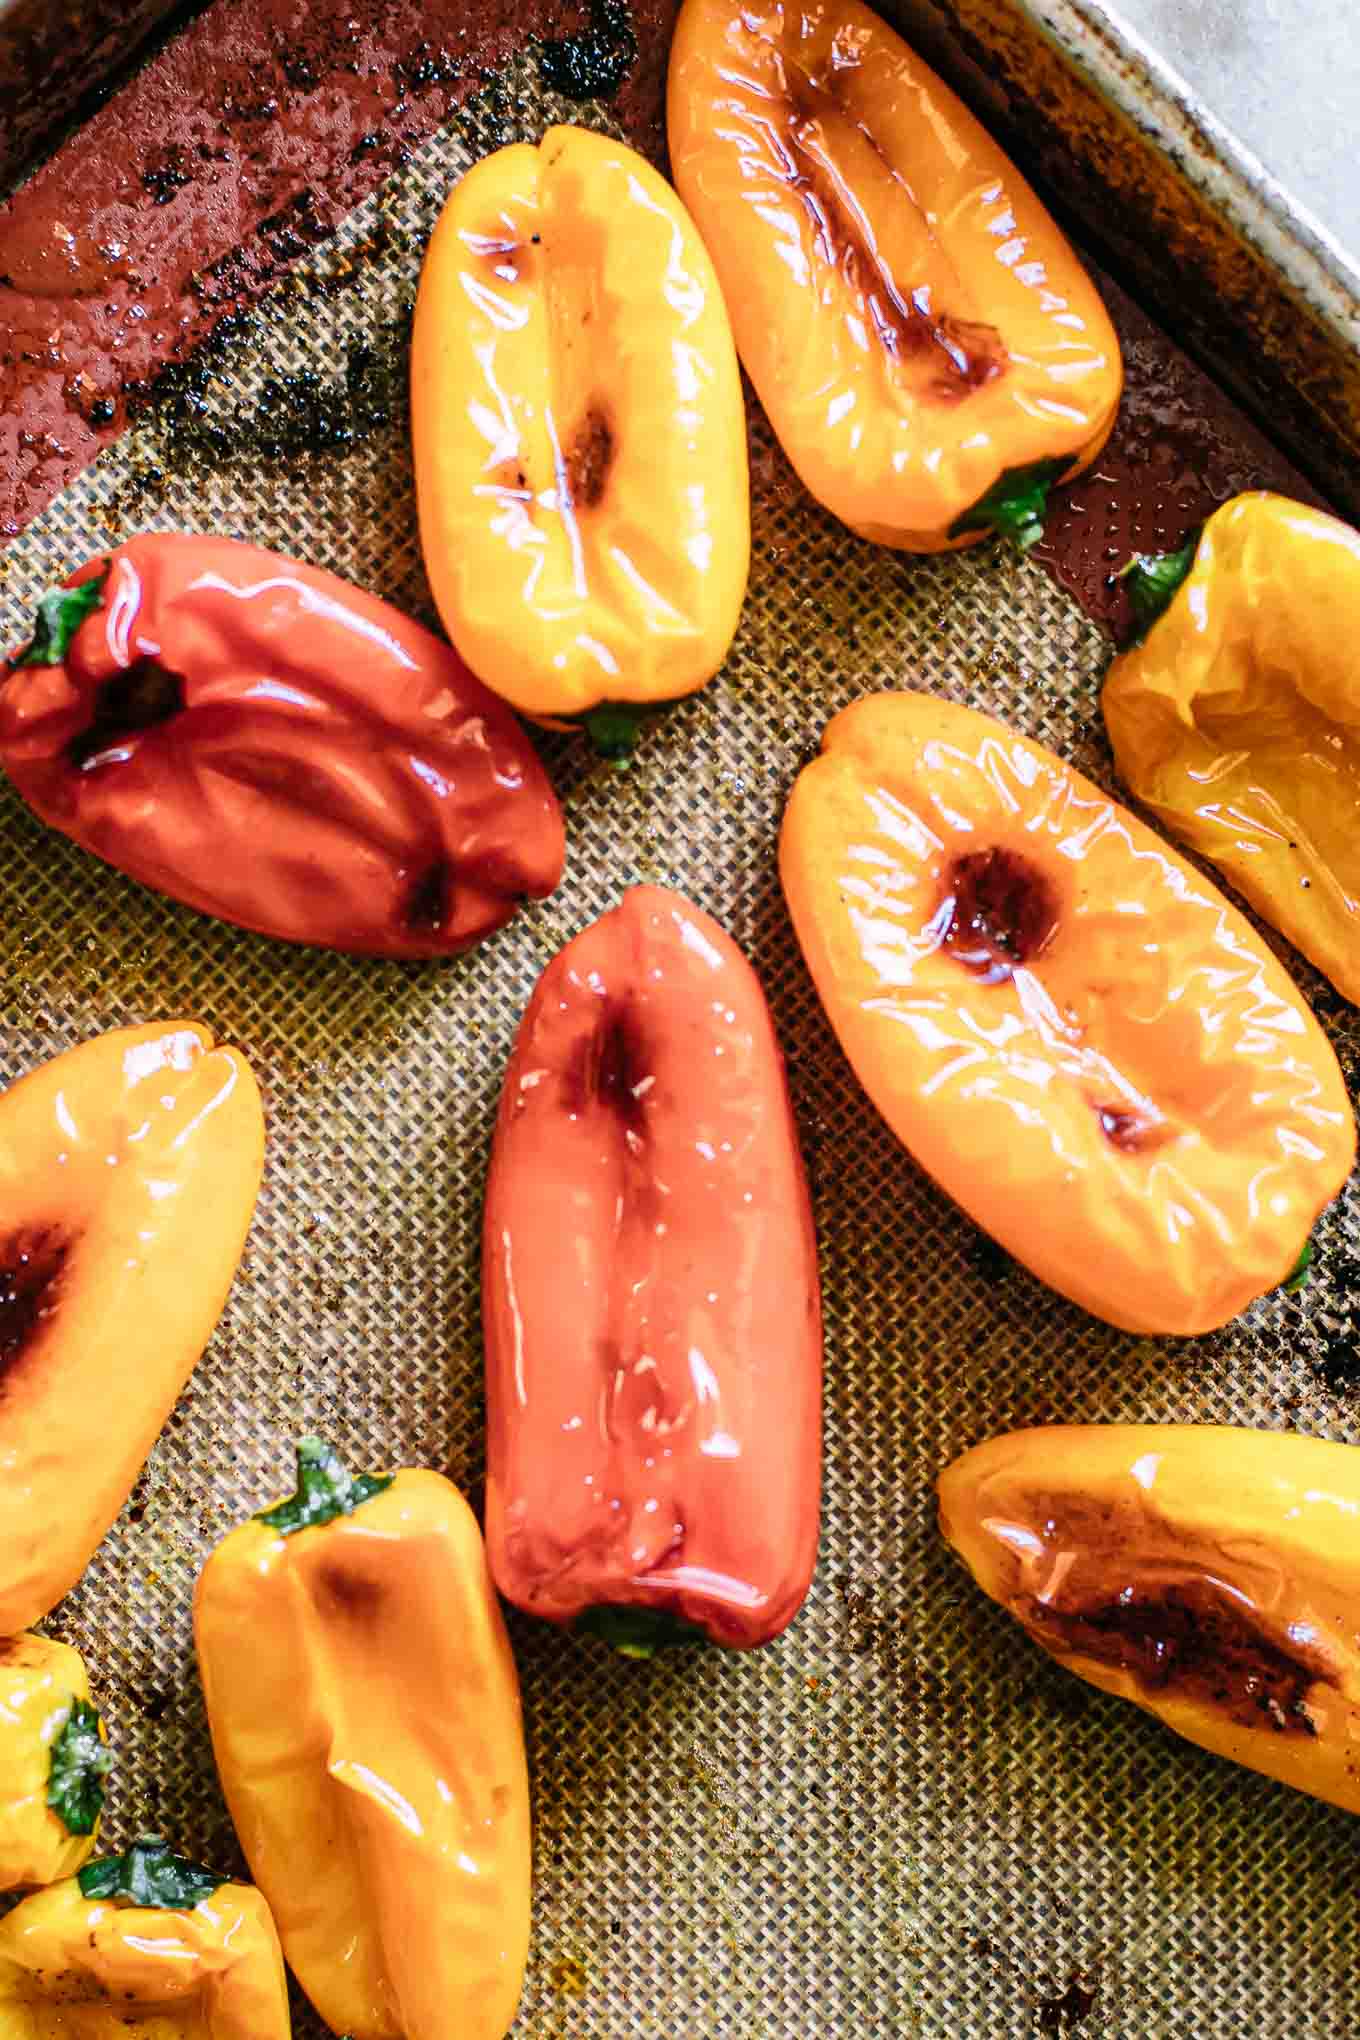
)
(969, 354)
(428, 905)
(999, 911)
(145, 694)
(1193, 1639)
(32, 1264)
(589, 459)
(609, 1066)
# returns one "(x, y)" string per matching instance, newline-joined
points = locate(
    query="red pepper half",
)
(650, 1297)
(271, 745)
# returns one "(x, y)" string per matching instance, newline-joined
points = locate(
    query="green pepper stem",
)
(1298, 1275)
(79, 1763)
(1153, 578)
(325, 1489)
(1015, 504)
(150, 1874)
(639, 1632)
(60, 614)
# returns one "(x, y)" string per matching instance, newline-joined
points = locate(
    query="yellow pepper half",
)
(1209, 1574)
(365, 1718)
(128, 1173)
(53, 1761)
(145, 1943)
(579, 435)
(1237, 719)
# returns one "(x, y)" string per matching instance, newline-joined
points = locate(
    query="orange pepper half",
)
(1072, 1031)
(925, 342)
(580, 440)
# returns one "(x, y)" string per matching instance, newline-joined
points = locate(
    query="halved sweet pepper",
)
(268, 744)
(650, 1302)
(1207, 1573)
(580, 440)
(1071, 1030)
(1236, 720)
(146, 1942)
(53, 1761)
(925, 343)
(370, 1749)
(128, 1173)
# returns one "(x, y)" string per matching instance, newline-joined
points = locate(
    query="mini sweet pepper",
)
(53, 1761)
(580, 440)
(146, 1942)
(1074, 1033)
(924, 341)
(1205, 1572)
(1236, 719)
(370, 1749)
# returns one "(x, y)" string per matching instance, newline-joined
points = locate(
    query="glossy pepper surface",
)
(1206, 1573)
(1071, 1030)
(147, 1943)
(270, 745)
(580, 441)
(1237, 719)
(128, 1173)
(651, 1307)
(923, 339)
(53, 1761)
(371, 1751)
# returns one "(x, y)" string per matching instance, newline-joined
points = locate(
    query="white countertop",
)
(1284, 77)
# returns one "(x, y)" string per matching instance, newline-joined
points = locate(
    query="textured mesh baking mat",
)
(901, 1818)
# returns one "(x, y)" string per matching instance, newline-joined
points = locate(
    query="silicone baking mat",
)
(901, 1818)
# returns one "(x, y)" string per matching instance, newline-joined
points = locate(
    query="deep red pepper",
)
(271, 745)
(651, 1307)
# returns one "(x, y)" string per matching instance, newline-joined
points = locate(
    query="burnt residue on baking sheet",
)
(241, 145)
(1065, 2010)
(592, 63)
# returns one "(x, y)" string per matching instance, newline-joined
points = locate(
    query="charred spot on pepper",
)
(609, 1066)
(999, 912)
(1194, 1638)
(138, 698)
(32, 1265)
(1133, 1129)
(429, 903)
(589, 459)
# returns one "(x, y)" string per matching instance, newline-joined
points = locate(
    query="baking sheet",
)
(901, 1818)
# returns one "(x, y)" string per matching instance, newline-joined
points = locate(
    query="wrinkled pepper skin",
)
(52, 1761)
(1206, 1573)
(371, 1750)
(272, 746)
(923, 339)
(129, 1169)
(101, 1968)
(1070, 1029)
(579, 434)
(1237, 720)
(650, 1299)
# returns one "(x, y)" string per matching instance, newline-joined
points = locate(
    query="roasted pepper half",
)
(128, 1173)
(270, 745)
(580, 442)
(53, 1761)
(1207, 1573)
(1072, 1031)
(370, 1749)
(1237, 719)
(145, 1942)
(928, 349)
(650, 1305)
